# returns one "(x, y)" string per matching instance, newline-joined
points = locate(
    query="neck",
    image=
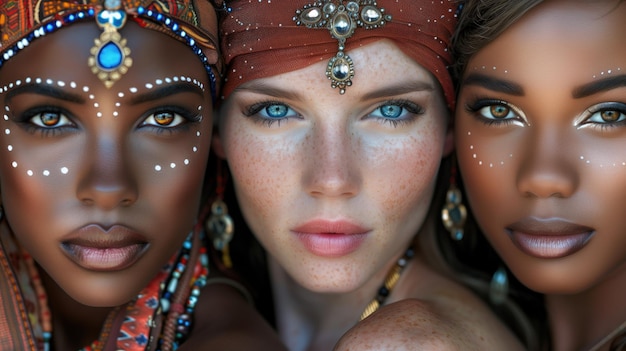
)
(580, 321)
(307, 320)
(74, 324)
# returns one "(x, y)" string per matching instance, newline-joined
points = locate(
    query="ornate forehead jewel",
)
(110, 57)
(341, 18)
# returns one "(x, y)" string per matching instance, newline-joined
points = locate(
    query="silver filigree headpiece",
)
(341, 18)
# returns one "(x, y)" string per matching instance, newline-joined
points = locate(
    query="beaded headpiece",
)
(263, 38)
(192, 22)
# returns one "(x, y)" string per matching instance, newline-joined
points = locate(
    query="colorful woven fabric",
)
(138, 326)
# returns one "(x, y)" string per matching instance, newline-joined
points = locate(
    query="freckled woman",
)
(334, 136)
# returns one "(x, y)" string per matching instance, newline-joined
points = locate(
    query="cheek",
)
(263, 168)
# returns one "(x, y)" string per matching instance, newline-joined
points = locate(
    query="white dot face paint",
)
(98, 113)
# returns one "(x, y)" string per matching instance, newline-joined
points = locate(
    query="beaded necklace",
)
(391, 279)
(174, 295)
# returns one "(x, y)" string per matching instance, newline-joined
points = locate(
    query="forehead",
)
(573, 41)
(375, 63)
(63, 55)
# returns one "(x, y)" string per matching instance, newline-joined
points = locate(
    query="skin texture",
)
(106, 162)
(337, 157)
(555, 152)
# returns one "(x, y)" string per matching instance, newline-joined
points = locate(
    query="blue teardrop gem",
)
(110, 56)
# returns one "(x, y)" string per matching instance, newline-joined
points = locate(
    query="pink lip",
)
(549, 238)
(331, 238)
(94, 248)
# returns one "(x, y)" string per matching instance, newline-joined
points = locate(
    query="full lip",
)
(549, 237)
(331, 238)
(98, 249)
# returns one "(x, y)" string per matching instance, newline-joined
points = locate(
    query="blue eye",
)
(391, 111)
(268, 112)
(397, 111)
(275, 111)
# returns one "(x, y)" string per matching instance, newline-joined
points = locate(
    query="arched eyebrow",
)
(599, 86)
(45, 90)
(268, 89)
(398, 89)
(166, 90)
(495, 84)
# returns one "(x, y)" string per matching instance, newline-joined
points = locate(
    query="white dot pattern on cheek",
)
(48, 81)
(493, 163)
(159, 82)
(480, 160)
(85, 89)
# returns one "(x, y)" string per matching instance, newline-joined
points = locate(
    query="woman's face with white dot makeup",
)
(102, 185)
(541, 142)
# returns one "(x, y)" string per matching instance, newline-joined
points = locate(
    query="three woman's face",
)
(336, 186)
(541, 134)
(101, 185)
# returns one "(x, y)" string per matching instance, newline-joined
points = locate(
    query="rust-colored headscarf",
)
(261, 38)
(22, 21)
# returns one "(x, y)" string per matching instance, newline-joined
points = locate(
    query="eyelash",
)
(253, 112)
(187, 115)
(24, 120)
(603, 107)
(414, 110)
(410, 107)
(478, 104)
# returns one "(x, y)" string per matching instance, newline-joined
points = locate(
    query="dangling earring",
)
(499, 287)
(220, 224)
(453, 214)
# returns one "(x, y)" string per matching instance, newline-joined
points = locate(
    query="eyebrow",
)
(495, 84)
(599, 86)
(165, 91)
(46, 90)
(265, 89)
(398, 89)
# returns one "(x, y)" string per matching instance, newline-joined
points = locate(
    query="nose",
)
(547, 168)
(106, 179)
(332, 167)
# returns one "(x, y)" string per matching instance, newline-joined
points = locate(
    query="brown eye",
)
(50, 119)
(164, 118)
(610, 115)
(499, 111)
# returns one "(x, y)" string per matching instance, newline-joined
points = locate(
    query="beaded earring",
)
(499, 287)
(219, 224)
(454, 213)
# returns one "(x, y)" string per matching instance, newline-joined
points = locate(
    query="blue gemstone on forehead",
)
(110, 56)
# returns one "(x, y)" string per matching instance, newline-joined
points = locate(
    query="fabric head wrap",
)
(191, 21)
(263, 38)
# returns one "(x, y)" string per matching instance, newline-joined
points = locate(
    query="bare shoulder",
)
(415, 324)
(226, 321)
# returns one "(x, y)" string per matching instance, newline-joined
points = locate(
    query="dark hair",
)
(479, 23)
